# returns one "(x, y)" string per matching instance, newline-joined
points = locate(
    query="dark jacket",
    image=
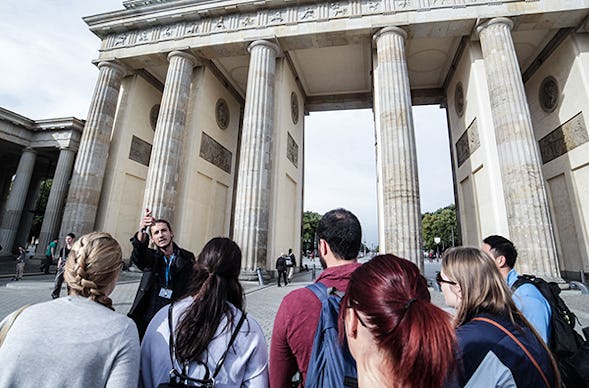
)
(281, 264)
(490, 357)
(152, 263)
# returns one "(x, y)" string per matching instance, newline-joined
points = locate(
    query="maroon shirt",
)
(295, 325)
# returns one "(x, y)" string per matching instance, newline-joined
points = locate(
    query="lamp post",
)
(437, 241)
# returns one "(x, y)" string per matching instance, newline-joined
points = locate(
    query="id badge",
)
(165, 293)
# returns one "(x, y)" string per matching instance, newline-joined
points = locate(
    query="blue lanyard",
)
(169, 262)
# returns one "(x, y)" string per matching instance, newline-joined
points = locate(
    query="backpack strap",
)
(521, 280)
(518, 342)
(207, 379)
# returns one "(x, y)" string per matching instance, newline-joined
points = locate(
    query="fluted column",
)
(86, 185)
(28, 213)
(255, 166)
(54, 208)
(529, 222)
(162, 176)
(16, 200)
(399, 184)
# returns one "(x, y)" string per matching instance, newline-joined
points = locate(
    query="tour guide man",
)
(166, 270)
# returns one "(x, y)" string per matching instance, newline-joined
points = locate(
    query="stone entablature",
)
(49, 133)
(173, 22)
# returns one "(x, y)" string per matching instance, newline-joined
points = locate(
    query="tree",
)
(40, 209)
(442, 224)
(310, 221)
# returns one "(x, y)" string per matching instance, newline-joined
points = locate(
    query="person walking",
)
(21, 261)
(291, 264)
(281, 268)
(50, 256)
(63, 254)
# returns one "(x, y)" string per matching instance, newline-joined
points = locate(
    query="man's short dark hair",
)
(341, 229)
(500, 246)
(71, 235)
(162, 221)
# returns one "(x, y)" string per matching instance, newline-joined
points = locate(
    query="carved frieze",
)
(468, 143)
(140, 151)
(293, 14)
(215, 153)
(292, 151)
(568, 136)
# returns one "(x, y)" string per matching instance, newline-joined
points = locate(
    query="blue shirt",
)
(532, 304)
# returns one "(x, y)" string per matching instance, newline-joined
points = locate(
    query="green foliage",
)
(442, 224)
(40, 209)
(310, 221)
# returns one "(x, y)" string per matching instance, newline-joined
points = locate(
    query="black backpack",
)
(567, 346)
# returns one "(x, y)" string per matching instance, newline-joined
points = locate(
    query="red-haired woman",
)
(398, 338)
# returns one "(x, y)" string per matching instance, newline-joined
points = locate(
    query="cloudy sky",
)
(46, 72)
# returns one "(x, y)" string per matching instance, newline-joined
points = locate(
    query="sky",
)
(46, 72)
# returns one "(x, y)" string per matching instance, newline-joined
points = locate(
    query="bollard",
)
(583, 277)
(313, 272)
(260, 276)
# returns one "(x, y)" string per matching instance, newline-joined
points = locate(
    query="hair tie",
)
(409, 303)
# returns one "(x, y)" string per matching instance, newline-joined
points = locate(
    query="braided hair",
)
(93, 266)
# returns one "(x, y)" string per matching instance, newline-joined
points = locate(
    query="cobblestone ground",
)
(261, 301)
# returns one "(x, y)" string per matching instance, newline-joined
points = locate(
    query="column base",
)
(252, 276)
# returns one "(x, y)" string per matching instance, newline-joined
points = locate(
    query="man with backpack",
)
(527, 297)
(339, 237)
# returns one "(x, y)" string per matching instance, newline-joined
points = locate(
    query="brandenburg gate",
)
(198, 114)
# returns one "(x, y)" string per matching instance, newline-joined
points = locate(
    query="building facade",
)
(198, 115)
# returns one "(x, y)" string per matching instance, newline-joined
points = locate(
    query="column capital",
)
(386, 30)
(29, 149)
(185, 55)
(266, 43)
(114, 65)
(499, 20)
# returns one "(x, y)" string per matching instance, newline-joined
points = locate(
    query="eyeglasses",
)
(440, 280)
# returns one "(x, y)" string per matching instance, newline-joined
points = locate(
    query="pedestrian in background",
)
(63, 254)
(50, 256)
(291, 263)
(21, 261)
(281, 268)
(101, 346)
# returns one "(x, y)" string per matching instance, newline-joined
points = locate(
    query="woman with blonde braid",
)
(101, 347)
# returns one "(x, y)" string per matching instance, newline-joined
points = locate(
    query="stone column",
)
(54, 208)
(86, 184)
(530, 227)
(162, 176)
(28, 213)
(253, 182)
(16, 200)
(399, 186)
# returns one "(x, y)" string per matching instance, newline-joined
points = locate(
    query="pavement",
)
(262, 301)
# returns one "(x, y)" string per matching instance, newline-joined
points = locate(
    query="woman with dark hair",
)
(498, 346)
(212, 336)
(397, 337)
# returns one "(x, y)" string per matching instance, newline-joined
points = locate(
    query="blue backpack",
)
(331, 364)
